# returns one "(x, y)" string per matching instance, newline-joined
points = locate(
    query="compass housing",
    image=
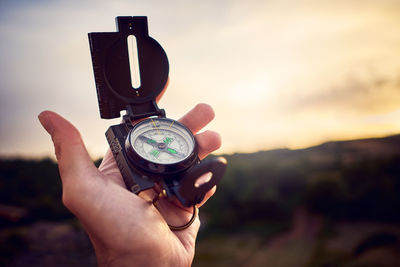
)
(160, 168)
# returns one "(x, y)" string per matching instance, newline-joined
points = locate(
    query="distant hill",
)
(346, 152)
(356, 179)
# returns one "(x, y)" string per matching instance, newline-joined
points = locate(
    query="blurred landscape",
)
(278, 73)
(336, 204)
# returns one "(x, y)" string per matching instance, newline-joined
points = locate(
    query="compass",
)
(130, 70)
(161, 141)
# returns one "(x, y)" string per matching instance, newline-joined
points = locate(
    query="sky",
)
(278, 73)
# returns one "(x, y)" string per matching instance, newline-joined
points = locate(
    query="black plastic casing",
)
(134, 180)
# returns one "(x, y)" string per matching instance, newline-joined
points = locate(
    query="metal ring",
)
(163, 194)
(186, 225)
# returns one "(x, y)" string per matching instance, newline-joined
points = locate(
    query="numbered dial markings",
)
(162, 141)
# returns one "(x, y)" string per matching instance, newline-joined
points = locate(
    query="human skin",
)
(126, 229)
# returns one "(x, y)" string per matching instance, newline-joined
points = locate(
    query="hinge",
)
(145, 110)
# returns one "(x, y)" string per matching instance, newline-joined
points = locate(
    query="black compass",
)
(130, 70)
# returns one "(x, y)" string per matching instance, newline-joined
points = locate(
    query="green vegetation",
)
(33, 185)
(350, 180)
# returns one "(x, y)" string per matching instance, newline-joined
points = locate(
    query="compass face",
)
(162, 141)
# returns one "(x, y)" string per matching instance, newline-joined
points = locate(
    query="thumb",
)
(74, 162)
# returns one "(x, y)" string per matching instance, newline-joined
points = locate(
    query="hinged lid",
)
(112, 70)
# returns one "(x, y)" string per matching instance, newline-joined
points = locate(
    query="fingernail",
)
(46, 122)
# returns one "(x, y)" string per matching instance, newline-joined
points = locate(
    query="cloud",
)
(354, 95)
(261, 64)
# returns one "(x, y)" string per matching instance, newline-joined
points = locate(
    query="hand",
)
(125, 229)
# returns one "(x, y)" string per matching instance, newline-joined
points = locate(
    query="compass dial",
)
(162, 141)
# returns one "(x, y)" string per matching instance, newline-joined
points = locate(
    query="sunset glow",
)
(277, 73)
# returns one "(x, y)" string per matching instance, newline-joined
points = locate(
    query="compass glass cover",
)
(162, 141)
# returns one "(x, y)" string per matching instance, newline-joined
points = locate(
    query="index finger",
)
(198, 117)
